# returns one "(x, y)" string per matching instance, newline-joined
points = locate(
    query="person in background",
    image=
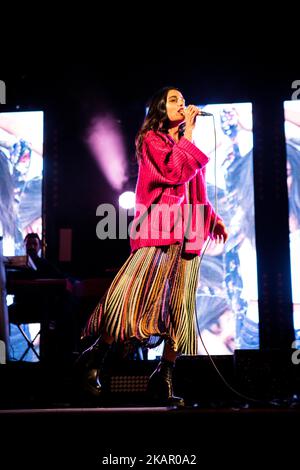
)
(44, 269)
(31, 303)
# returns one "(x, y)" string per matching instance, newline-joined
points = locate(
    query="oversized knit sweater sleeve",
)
(214, 218)
(173, 164)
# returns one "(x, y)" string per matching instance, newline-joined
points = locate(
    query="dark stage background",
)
(71, 93)
(75, 77)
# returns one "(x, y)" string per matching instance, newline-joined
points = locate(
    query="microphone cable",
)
(207, 243)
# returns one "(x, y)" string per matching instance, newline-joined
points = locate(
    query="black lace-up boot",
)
(160, 385)
(89, 365)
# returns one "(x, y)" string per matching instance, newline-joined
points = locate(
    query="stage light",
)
(107, 146)
(127, 200)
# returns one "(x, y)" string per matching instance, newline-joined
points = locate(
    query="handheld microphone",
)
(204, 113)
(201, 113)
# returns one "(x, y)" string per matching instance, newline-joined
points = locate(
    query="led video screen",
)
(21, 181)
(227, 294)
(21, 166)
(292, 139)
(227, 298)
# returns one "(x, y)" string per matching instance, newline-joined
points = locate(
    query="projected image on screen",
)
(21, 167)
(292, 136)
(21, 173)
(227, 297)
(227, 306)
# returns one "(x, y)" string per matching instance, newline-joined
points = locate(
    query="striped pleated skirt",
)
(152, 298)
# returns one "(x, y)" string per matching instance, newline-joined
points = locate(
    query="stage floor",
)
(136, 437)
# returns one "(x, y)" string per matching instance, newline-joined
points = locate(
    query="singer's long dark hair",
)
(156, 119)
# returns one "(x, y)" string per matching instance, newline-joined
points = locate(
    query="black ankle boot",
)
(90, 367)
(160, 385)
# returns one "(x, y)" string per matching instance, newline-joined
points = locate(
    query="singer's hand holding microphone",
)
(190, 114)
(192, 111)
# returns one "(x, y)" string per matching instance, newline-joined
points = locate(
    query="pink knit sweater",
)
(170, 191)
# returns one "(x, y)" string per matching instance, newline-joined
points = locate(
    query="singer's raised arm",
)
(171, 163)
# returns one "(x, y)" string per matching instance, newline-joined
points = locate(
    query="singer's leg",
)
(160, 385)
(168, 353)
